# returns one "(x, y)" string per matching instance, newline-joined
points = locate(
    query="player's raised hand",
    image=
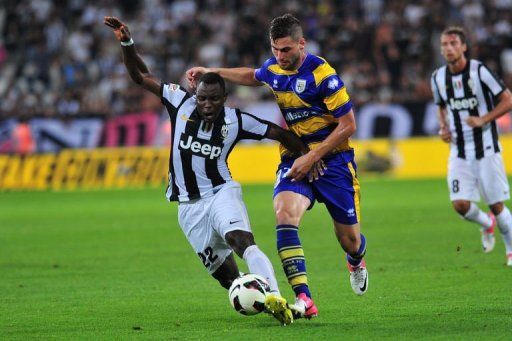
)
(193, 75)
(120, 29)
(444, 134)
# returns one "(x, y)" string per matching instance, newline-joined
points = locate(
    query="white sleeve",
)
(172, 94)
(492, 82)
(253, 128)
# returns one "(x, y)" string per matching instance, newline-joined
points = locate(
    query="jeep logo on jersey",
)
(463, 103)
(199, 147)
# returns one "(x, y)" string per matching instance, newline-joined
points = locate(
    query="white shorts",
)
(206, 221)
(468, 178)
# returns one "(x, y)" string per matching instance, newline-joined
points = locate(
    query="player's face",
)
(288, 52)
(452, 47)
(210, 100)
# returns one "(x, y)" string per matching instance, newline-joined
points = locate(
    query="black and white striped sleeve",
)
(172, 94)
(494, 84)
(251, 127)
(435, 90)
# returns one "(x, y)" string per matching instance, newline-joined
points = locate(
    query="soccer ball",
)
(247, 294)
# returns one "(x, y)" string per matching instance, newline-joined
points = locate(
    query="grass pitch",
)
(115, 265)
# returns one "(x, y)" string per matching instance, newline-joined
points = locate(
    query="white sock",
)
(259, 264)
(475, 214)
(504, 220)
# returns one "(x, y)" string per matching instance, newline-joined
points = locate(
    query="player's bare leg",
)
(354, 244)
(470, 211)
(289, 208)
(227, 272)
(504, 222)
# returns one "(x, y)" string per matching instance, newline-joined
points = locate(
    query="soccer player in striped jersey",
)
(211, 212)
(470, 99)
(317, 108)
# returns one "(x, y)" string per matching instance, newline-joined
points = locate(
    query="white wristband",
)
(128, 43)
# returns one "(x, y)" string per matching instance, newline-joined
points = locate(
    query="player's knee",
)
(287, 214)
(239, 241)
(461, 206)
(496, 208)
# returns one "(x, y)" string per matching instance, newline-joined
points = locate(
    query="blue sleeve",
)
(262, 74)
(335, 96)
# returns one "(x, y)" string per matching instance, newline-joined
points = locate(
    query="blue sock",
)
(292, 257)
(356, 259)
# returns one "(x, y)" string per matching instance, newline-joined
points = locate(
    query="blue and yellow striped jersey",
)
(311, 98)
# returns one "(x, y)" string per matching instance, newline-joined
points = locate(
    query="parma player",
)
(211, 212)
(470, 99)
(317, 108)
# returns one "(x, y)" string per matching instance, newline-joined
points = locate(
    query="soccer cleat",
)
(278, 307)
(509, 259)
(304, 307)
(358, 278)
(488, 239)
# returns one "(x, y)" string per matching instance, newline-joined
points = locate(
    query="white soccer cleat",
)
(488, 239)
(358, 278)
(509, 259)
(304, 307)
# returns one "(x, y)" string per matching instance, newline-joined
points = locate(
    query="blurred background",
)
(63, 86)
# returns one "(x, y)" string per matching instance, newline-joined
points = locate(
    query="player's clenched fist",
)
(120, 29)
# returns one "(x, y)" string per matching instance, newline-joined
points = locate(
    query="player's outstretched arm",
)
(238, 75)
(296, 146)
(287, 138)
(136, 67)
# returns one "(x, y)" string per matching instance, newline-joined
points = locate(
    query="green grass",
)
(115, 265)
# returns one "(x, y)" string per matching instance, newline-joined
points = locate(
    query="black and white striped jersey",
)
(197, 162)
(472, 92)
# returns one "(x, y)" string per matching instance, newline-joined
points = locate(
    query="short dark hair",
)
(285, 26)
(456, 30)
(213, 78)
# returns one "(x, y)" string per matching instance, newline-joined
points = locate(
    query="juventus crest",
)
(224, 131)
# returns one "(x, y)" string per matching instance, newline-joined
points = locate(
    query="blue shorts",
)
(338, 188)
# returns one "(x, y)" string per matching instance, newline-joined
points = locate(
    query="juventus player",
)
(211, 212)
(470, 99)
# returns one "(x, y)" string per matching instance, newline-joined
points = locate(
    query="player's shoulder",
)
(438, 71)
(319, 68)
(315, 61)
(268, 63)
(232, 114)
(476, 64)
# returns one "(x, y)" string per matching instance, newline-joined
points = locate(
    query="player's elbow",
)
(509, 102)
(350, 129)
(136, 77)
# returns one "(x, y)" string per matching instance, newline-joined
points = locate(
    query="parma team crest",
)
(300, 85)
